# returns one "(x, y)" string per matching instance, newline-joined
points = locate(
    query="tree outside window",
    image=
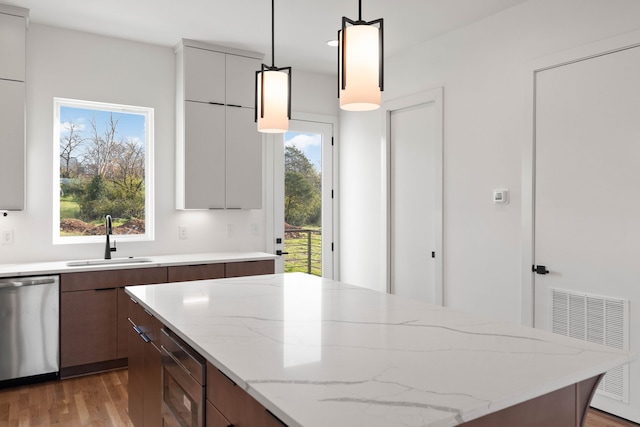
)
(103, 156)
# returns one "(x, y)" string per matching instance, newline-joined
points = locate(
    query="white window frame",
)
(148, 176)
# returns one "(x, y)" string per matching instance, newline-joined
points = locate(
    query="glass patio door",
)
(303, 198)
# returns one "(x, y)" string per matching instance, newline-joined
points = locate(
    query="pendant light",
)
(360, 63)
(273, 93)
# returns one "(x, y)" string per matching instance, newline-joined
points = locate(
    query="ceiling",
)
(302, 27)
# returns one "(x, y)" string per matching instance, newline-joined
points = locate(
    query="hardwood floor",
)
(101, 401)
(97, 401)
(596, 418)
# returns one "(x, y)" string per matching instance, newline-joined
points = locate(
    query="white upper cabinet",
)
(12, 140)
(13, 25)
(218, 148)
(12, 46)
(204, 156)
(244, 160)
(241, 80)
(204, 75)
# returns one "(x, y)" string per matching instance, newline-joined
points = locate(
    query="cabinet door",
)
(249, 268)
(204, 156)
(13, 144)
(244, 160)
(215, 418)
(12, 47)
(241, 80)
(123, 323)
(152, 386)
(183, 273)
(204, 75)
(136, 376)
(88, 327)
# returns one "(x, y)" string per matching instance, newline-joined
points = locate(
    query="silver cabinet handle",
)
(175, 359)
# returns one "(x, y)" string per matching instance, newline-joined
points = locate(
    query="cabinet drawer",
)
(249, 268)
(183, 273)
(112, 278)
(234, 405)
(225, 395)
(215, 418)
(144, 320)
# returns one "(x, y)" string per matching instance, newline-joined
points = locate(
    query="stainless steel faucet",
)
(108, 230)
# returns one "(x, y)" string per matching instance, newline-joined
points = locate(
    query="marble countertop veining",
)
(318, 352)
(57, 267)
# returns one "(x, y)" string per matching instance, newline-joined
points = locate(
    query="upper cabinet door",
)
(204, 156)
(204, 75)
(12, 47)
(12, 142)
(244, 160)
(241, 80)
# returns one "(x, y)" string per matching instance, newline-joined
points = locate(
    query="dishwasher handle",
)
(18, 283)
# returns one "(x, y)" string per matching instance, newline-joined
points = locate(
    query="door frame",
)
(270, 186)
(592, 50)
(435, 96)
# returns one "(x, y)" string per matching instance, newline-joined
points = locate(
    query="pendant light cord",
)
(273, 44)
(359, 10)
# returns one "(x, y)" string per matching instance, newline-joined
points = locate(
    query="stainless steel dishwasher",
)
(29, 329)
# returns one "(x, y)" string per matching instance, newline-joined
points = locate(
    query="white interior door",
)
(587, 210)
(315, 255)
(414, 134)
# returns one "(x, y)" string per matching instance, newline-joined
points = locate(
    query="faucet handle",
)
(113, 249)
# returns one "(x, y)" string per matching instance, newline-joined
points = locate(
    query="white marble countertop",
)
(57, 267)
(320, 353)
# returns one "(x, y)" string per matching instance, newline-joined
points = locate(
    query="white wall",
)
(69, 64)
(482, 69)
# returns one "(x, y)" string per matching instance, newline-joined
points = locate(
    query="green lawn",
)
(297, 247)
(69, 208)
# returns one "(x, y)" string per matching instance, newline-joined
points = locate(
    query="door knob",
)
(279, 252)
(540, 269)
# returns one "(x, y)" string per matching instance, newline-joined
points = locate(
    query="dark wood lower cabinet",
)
(97, 320)
(234, 405)
(249, 268)
(93, 318)
(145, 370)
(88, 332)
(183, 273)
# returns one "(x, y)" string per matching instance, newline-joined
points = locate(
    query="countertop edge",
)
(61, 267)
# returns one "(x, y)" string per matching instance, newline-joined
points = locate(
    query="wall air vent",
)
(596, 319)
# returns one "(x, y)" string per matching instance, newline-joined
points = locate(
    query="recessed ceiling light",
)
(332, 43)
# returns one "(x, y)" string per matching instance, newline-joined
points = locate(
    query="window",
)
(103, 165)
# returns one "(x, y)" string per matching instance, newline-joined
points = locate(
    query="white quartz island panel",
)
(321, 353)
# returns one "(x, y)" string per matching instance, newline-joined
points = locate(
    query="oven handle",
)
(179, 363)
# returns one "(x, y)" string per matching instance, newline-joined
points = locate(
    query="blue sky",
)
(309, 143)
(130, 125)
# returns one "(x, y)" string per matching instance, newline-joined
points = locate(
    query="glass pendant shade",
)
(272, 101)
(273, 93)
(361, 55)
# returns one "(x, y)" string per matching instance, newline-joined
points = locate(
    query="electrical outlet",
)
(231, 231)
(182, 232)
(7, 237)
(255, 229)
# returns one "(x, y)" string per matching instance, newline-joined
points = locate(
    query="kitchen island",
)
(317, 352)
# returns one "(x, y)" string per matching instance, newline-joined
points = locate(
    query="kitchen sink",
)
(130, 260)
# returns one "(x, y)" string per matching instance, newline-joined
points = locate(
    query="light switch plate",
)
(501, 196)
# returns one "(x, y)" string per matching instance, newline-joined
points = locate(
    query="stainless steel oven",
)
(183, 383)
